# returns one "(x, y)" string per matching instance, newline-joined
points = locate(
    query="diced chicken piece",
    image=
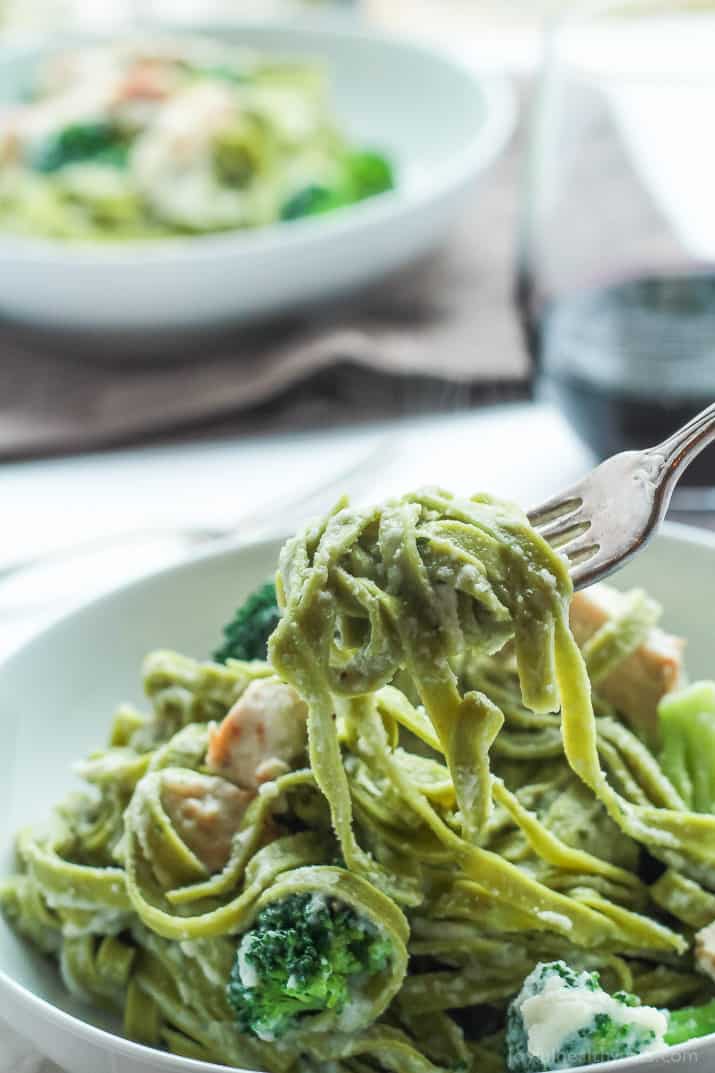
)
(142, 91)
(206, 812)
(10, 118)
(636, 686)
(262, 737)
(152, 80)
(705, 950)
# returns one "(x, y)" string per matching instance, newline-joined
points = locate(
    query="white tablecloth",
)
(518, 452)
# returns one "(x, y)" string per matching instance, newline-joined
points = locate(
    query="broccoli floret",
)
(246, 635)
(562, 1018)
(312, 200)
(300, 957)
(687, 724)
(221, 71)
(369, 174)
(100, 142)
(364, 174)
(690, 1022)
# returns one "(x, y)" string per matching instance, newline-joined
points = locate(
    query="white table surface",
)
(517, 451)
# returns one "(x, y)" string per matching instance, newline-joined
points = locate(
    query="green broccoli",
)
(224, 72)
(562, 1018)
(246, 635)
(312, 200)
(369, 174)
(300, 957)
(100, 142)
(365, 174)
(687, 725)
(690, 1022)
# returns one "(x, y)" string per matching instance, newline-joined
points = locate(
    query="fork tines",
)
(564, 523)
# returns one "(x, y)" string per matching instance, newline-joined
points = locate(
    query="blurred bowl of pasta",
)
(186, 179)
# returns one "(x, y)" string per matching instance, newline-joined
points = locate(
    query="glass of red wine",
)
(616, 275)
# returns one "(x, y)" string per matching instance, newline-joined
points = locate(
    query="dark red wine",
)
(629, 363)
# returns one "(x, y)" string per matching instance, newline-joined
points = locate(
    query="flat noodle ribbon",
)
(453, 742)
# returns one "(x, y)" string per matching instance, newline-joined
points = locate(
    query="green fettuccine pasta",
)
(347, 857)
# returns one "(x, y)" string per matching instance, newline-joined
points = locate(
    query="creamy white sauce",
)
(356, 1014)
(705, 950)
(559, 1011)
(558, 920)
(246, 970)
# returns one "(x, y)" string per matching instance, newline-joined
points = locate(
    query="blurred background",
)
(516, 283)
(464, 14)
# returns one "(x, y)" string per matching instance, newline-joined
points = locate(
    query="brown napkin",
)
(439, 334)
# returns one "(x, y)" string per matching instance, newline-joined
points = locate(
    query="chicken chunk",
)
(10, 119)
(206, 812)
(637, 685)
(148, 80)
(705, 950)
(141, 91)
(262, 737)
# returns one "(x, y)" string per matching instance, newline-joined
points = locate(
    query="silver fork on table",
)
(613, 512)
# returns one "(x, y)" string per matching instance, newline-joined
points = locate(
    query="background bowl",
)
(59, 691)
(440, 123)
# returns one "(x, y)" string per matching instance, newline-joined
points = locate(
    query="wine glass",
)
(616, 273)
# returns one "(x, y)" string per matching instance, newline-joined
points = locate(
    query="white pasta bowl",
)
(440, 123)
(57, 694)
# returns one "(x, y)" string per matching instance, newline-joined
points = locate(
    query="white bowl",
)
(57, 694)
(439, 122)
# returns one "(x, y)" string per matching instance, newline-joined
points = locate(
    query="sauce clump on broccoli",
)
(562, 1018)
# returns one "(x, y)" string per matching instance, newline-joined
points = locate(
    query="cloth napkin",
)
(18, 1055)
(438, 335)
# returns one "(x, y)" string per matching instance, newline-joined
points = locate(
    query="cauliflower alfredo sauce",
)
(423, 811)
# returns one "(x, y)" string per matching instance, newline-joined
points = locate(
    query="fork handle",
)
(675, 454)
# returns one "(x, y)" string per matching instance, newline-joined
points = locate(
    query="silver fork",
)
(613, 512)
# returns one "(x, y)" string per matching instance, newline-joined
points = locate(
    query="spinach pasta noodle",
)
(350, 855)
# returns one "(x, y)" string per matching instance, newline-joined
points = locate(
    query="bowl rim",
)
(119, 1045)
(483, 146)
